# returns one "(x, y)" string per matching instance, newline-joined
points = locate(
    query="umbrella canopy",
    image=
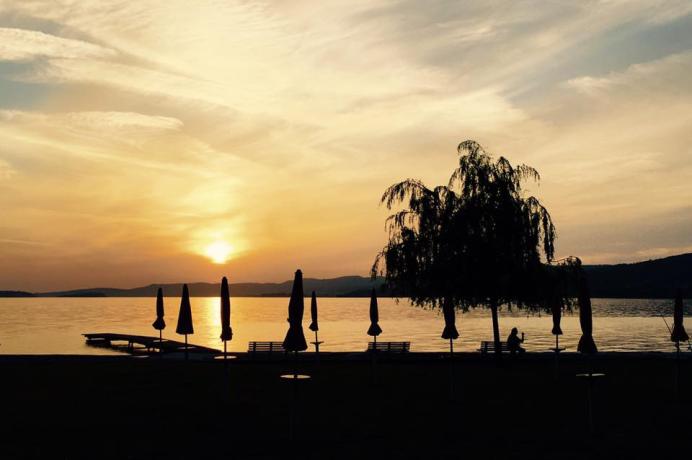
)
(450, 330)
(586, 344)
(159, 324)
(313, 313)
(557, 317)
(185, 314)
(679, 334)
(295, 339)
(556, 310)
(374, 329)
(226, 331)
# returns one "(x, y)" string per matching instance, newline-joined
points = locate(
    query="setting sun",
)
(219, 252)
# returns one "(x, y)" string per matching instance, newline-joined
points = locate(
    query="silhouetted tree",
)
(476, 242)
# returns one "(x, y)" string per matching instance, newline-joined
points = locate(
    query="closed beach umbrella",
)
(556, 310)
(313, 313)
(678, 334)
(554, 291)
(226, 331)
(450, 331)
(159, 324)
(556, 305)
(313, 325)
(295, 339)
(374, 330)
(184, 326)
(586, 343)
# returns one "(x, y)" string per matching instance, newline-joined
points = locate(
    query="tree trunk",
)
(496, 330)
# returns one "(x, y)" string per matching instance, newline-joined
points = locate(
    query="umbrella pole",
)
(374, 360)
(557, 357)
(589, 394)
(589, 403)
(677, 368)
(227, 383)
(451, 369)
(161, 343)
(225, 355)
(186, 347)
(293, 406)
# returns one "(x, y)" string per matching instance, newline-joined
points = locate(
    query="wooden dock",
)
(144, 345)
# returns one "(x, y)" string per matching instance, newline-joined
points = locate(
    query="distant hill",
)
(651, 279)
(16, 294)
(345, 286)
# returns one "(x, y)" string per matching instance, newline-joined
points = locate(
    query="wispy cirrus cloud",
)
(645, 77)
(94, 120)
(22, 45)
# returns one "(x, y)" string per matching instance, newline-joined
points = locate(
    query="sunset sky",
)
(148, 141)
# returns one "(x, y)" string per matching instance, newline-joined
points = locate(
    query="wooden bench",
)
(489, 347)
(265, 347)
(389, 347)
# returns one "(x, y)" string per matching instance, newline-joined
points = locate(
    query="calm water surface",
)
(55, 325)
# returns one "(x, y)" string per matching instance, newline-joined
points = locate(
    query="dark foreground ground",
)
(126, 408)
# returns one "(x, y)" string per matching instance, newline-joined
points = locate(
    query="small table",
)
(224, 358)
(590, 375)
(295, 377)
(558, 350)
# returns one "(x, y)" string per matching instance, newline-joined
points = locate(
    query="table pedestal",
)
(293, 411)
(589, 402)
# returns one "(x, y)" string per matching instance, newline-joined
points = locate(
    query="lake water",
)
(55, 325)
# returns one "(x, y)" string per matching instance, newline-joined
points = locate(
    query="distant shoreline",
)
(284, 295)
(29, 295)
(653, 279)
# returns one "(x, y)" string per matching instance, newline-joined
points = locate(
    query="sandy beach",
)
(124, 407)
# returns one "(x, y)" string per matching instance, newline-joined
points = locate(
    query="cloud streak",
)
(23, 45)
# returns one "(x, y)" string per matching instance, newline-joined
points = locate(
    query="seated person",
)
(514, 342)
